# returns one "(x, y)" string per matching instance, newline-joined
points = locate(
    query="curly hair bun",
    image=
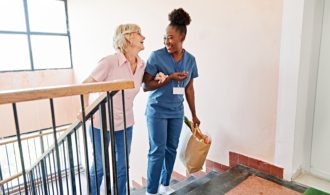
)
(179, 17)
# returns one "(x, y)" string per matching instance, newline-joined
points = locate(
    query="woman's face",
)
(173, 40)
(137, 40)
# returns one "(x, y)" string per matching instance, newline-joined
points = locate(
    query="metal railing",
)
(58, 170)
(35, 143)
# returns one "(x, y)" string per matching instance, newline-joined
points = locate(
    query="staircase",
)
(215, 183)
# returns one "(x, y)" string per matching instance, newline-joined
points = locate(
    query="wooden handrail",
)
(13, 96)
(13, 140)
(2, 182)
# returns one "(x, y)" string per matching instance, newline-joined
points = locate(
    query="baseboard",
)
(239, 159)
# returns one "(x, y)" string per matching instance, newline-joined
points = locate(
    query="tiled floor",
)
(255, 185)
(312, 181)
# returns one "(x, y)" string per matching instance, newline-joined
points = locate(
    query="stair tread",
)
(196, 183)
(222, 183)
(177, 185)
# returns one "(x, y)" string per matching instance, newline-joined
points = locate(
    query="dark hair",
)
(179, 19)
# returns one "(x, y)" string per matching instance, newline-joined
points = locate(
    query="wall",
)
(237, 47)
(300, 44)
(35, 115)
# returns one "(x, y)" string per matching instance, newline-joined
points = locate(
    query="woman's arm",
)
(151, 84)
(190, 96)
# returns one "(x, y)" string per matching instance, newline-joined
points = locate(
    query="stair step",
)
(177, 185)
(197, 182)
(219, 184)
(183, 183)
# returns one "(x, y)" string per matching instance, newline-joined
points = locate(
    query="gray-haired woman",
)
(125, 64)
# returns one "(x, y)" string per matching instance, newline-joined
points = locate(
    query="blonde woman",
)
(125, 64)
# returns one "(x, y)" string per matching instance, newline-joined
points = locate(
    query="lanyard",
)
(178, 67)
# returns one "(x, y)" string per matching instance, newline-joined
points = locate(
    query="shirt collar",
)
(122, 60)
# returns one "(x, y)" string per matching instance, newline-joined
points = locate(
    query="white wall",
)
(301, 32)
(236, 44)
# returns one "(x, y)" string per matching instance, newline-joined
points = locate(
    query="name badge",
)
(178, 90)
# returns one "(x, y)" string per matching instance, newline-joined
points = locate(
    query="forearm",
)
(152, 84)
(190, 96)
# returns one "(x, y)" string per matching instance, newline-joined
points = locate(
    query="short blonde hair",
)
(122, 35)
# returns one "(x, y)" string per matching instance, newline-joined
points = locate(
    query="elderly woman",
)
(165, 104)
(125, 64)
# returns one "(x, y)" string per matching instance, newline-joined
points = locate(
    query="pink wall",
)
(35, 115)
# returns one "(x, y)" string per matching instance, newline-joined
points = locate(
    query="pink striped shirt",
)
(117, 67)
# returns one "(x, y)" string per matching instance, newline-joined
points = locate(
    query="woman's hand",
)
(196, 121)
(179, 76)
(161, 77)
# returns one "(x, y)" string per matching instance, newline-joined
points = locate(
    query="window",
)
(34, 35)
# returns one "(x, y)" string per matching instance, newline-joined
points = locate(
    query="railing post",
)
(78, 164)
(125, 141)
(33, 187)
(65, 168)
(71, 164)
(19, 185)
(58, 161)
(85, 143)
(44, 176)
(95, 163)
(113, 143)
(18, 134)
(104, 147)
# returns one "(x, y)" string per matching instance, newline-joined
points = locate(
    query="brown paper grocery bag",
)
(194, 151)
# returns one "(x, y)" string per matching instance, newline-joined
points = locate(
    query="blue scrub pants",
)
(164, 134)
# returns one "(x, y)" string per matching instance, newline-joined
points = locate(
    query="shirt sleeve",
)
(151, 67)
(100, 73)
(194, 72)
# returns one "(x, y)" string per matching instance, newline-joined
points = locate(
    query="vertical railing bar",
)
(20, 146)
(9, 170)
(95, 166)
(112, 142)
(33, 187)
(44, 165)
(65, 168)
(54, 168)
(78, 164)
(42, 178)
(104, 148)
(125, 140)
(40, 175)
(37, 169)
(19, 186)
(28, 147)
(58, 160)
(37, 178)
(71, 164)
(51, 172)
(7, 188)
(85, 143)
(35, 148)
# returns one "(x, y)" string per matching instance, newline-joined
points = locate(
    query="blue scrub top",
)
(162, 103)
